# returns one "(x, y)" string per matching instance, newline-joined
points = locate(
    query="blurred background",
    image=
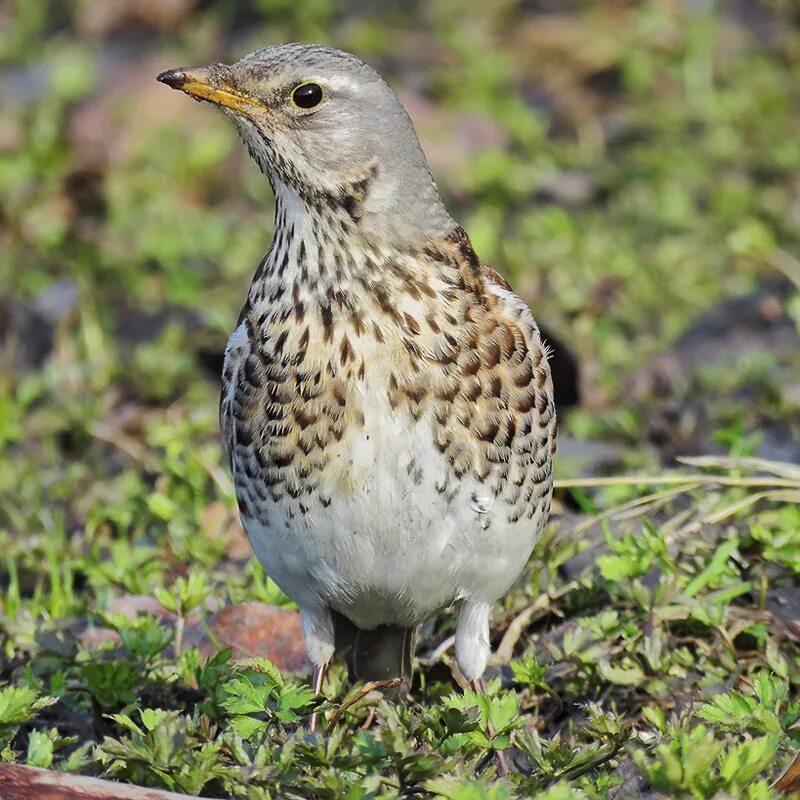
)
(632, 167)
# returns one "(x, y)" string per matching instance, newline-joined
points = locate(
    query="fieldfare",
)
(387, 407)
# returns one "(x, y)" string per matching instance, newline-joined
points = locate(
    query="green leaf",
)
(716, 567)
(656, 717)
(504, 712)
(166, 599)
(245, 698)
(632, 675)
(152, 717)
(126, 722)
(78, 759)
(246, 727)
(192, 591)
(770, 691)
(530, 672)
(448, 787)
(561, 791)
(743, 762)
(293, 698)
(110, 682)
(40, 749)
(262, 666)
(19, 704)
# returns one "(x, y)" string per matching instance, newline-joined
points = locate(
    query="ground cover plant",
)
(634, 168)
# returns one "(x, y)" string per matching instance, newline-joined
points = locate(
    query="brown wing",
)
(279, 411)
(236, 353)
(488, 382)
(517, 427)
(493, 278)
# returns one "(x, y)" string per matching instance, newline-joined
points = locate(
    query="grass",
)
(629, 166)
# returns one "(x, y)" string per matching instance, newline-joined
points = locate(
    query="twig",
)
(219, 476)
(125, 444)
(359, 695)
(443, 647)
(505, 650)
(368, 721)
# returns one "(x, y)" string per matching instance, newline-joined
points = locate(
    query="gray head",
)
(323, 125)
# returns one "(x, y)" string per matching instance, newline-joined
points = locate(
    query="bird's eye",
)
(307, 95)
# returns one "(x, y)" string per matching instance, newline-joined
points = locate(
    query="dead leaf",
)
(788, 781)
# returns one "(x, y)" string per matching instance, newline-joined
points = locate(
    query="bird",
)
(387, 405)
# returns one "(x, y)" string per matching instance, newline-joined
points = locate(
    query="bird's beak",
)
(203, 83)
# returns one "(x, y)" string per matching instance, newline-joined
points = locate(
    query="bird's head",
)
(324, 126)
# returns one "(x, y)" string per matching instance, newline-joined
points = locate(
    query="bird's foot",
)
(316, 686)
(478, 685)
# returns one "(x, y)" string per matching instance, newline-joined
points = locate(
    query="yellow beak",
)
(198, 82)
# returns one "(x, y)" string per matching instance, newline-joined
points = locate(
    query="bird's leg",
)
(320, 644)
(318, 677)
(472, 637)
(472, 653)
(316, 686)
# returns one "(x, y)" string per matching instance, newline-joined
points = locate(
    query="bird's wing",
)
(519, 408)
(236, 352)
(493, 279)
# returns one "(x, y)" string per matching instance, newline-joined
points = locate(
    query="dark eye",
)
(307, 95)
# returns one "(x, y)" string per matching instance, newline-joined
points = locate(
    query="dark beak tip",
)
(174, 78)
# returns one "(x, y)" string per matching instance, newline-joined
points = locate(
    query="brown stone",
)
(257, 629)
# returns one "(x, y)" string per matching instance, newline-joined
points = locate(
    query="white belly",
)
(401, 539)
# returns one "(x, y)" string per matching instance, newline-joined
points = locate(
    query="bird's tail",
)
(381, 654)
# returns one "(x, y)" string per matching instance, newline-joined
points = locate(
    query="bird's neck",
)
(322, 270)
(320, 247)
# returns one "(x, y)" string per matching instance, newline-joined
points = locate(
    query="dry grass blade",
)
(636, 507)
(505, 650)
(750, 500)
(780, 484)
(674, 526)
(440, 650)
(787, 264)
(673, 480)
(780, 468)
(788, 782)
(219, 476)
(125, 444)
